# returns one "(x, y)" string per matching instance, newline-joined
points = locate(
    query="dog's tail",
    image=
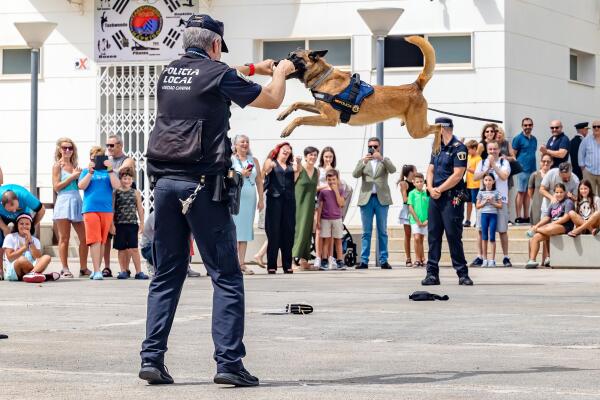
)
(428, 58)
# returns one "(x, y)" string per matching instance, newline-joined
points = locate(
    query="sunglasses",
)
(596, 126)
(527, 125)
(67, 148)
(111, 145)
(554, 128)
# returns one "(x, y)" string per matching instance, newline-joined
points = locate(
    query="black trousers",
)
(443, 216)
(214, 231)
(280, 225)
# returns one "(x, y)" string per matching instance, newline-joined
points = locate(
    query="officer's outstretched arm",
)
(271, 96)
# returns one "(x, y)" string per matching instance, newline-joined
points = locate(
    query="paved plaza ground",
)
(516, 334)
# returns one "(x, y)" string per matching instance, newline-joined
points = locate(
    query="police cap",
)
(205, 21)
(581, 125)
(445, 122)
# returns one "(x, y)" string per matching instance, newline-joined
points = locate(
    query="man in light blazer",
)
(374, 200)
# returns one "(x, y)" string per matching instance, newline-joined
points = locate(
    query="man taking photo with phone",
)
(374, 201)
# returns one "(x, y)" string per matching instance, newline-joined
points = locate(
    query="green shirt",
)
(420, 203)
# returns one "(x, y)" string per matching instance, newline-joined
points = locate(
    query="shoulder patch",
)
(462, 155)
(242, 76)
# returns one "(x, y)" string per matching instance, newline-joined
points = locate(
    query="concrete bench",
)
(579, 252)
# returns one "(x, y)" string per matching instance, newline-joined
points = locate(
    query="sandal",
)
(408, 263)
(246, 270)
(66, 273)
(259, 261)
(271, 271)
(418, 264)
(107, 273)
(85, 272)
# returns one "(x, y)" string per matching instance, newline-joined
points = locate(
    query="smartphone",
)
(371, 150)
(99, 163)
(250, 166)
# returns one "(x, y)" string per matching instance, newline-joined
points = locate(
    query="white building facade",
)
(498, 59)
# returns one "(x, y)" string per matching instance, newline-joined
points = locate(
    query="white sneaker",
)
(332, 263)
(491, 263)
(547, 262)
(317, 262)
(484, 264)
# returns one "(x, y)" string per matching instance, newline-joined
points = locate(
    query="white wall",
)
(539, 35)
(67, 97)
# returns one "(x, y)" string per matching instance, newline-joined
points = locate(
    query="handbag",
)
(515, 168)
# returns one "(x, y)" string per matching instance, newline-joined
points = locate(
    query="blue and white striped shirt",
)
(589, 155)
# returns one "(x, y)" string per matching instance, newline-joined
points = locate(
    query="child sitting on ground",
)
(418, 205)
(23, 259)
(329, 220)
(128, 207)
(489, 201)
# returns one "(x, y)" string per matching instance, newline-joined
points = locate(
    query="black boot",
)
(465, 280)
(155, 374)
(431, 280)
(240, 378)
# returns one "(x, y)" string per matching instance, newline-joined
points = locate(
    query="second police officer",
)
(189, 154)
(446, 207)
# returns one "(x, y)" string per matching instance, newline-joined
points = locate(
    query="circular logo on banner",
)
(145, 23)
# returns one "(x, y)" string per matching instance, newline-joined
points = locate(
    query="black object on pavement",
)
(426, 296)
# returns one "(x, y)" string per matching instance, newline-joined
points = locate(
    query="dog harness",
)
(348, 102)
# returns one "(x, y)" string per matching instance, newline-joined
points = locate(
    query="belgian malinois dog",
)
(405, 102)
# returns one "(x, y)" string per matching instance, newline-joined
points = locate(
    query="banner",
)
(140, 30)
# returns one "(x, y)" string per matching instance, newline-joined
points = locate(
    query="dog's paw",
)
(287, 132)
(282, 116)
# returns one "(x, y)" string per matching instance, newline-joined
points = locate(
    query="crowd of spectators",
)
(302, 202)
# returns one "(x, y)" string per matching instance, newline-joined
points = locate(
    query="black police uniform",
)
(189, 144)
(446, 213)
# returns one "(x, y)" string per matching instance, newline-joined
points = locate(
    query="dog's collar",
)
(321, 79)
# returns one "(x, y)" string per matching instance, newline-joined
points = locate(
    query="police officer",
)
(446, 206)
(189, 155)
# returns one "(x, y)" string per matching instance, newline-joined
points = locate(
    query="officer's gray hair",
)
(199, 37)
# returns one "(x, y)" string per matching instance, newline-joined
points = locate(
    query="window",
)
(280, 49)
(15, 63)
(339, 49)
(582, 67)
(452, 50)
(573, 67)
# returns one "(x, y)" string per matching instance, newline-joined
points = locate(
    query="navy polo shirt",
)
(239, 89)
(556, 143)
(453, 155)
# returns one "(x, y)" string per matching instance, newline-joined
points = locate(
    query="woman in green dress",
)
(306, 190)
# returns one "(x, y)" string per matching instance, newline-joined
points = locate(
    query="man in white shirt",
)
(500, 169)
(563, 174)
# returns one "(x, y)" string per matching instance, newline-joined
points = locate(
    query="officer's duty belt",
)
(206, 180)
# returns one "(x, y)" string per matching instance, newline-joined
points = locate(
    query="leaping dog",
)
(326, 83)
